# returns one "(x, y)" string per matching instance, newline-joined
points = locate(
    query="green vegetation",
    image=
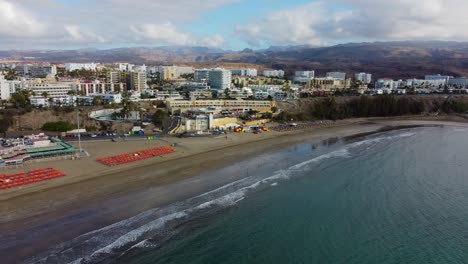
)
(20, 99)
(364, 106)
(158, 117)
(6, 121)
(60, 126)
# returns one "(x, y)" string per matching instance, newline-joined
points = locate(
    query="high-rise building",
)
(202, 75)
(4, 89)
(138, 81)
(303, 76)
(363, 77)
(220, 79)
(336, 75)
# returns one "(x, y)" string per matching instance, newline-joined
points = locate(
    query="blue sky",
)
(228, 24)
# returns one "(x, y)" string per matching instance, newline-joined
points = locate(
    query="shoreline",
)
(37, 207)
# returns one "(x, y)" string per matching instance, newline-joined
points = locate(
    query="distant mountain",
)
(405, 59)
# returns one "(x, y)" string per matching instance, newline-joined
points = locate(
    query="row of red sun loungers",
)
(135, 156)
(8, 181)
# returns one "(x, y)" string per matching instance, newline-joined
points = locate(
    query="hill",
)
(406, 59)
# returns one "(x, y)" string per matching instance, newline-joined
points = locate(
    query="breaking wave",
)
(140, 231)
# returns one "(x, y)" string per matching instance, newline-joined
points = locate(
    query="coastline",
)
(38, 205)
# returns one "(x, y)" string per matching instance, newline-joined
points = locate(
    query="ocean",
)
(394, 197)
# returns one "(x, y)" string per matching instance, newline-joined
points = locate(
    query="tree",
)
(5, 122)
(45, 94)
(158, 117)
(97, 100)
(20, 99)
(60, 126)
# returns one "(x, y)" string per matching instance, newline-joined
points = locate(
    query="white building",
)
(337, 75)
(97, 87)
(126, 67)
(363, 77)
(245, 72)
(388, 84)
(438, 77)
(52, 89)
(5, 93)
(433, 83)
(36, 70)
(305, 74)
(81, 66)
(220, 79)
(274, 73)
(458, 82)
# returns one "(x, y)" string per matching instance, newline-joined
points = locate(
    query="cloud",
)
(320, 22)
(77, 34)
(103, 23)
(293, 26)
(168, 34)
(17, 22)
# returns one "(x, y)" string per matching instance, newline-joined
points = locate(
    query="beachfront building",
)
(80, 66)
(363, 77)
(15, 151)
(219, 105)
(274, 73)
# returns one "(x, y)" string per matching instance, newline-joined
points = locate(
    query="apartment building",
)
(337, 75)
(363, 77)
(80, 66)
(274, 73)
(36, 71)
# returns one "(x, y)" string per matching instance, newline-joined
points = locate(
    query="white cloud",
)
(285, 27)
(318, 22)
(168, 34)
(91, 23)
(78, 34)
(17, 22)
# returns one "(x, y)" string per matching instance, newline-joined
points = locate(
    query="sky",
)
(227, 24)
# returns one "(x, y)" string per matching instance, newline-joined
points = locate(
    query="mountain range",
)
(403, 59)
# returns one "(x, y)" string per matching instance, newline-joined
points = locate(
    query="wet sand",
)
(90, 184)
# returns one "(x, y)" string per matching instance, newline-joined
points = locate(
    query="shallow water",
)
(397, 197)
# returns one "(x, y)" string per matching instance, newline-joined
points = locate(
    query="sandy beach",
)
(90, 183)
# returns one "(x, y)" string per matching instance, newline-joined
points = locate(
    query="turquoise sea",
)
(396, 197)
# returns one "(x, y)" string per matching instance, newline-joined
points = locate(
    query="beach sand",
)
(89, 182)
